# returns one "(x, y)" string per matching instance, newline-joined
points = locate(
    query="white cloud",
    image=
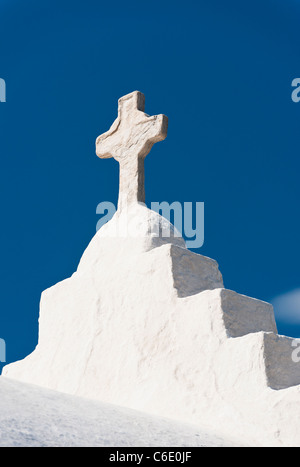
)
(287, 307)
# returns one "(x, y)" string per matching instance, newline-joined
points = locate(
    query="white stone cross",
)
(129, 140)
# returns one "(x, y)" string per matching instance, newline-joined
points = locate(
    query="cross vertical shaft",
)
(132, 181)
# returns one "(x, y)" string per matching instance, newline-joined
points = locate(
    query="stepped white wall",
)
(146, 324)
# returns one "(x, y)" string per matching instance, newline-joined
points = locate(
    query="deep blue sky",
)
(221, 71)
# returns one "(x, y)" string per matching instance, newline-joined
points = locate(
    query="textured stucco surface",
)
(146, 324)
